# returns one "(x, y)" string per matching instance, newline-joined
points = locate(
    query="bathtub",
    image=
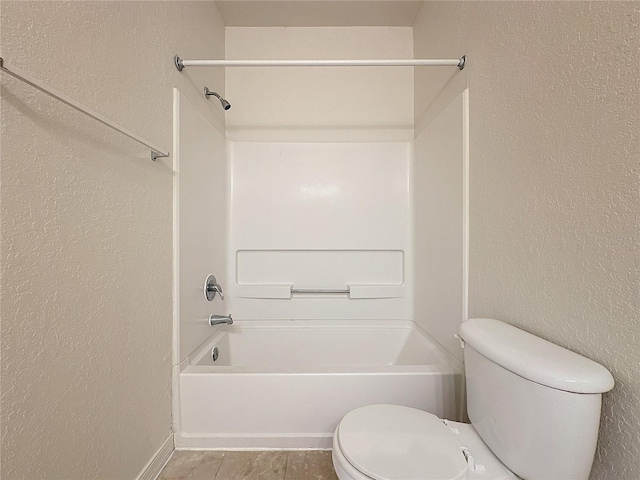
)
(287, 384)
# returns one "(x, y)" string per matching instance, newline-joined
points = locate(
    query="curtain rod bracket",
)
(156, 155)
(177, 61)
(463, 60)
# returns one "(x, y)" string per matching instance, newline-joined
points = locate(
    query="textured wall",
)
(86, 232)
(554, 122)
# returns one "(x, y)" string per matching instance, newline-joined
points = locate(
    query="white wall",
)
(320, 215)
(440, 226)
(86, 231)
(333, 104)
(200, 189)
(554, 122)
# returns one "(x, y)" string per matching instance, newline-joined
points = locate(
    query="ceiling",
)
(319, 13)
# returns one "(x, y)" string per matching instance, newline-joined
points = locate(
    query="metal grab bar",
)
(321, 290)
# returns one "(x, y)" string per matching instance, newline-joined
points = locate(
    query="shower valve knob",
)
(211, 287)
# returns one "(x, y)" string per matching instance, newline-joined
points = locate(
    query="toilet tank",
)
(536, 405)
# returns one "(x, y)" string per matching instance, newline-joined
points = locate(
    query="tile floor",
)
(273, 465)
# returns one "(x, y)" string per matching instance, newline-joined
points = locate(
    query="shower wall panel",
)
(320, 216)
(200, 236)
(441, 267)
(330, 104)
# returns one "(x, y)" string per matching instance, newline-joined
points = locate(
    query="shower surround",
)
(312, 243)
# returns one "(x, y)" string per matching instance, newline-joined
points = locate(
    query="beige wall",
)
(86, 231)
(554, 122)
(333, 104)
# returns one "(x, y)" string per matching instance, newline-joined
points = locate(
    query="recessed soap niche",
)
(282, 274)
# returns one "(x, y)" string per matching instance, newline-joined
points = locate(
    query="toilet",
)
(534, 409)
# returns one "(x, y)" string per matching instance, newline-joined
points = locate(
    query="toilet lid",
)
(390, 442)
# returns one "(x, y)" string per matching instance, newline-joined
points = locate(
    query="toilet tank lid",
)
(535, 359)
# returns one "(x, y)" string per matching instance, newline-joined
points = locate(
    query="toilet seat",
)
(391, 442)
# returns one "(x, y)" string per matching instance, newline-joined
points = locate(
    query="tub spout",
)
(220, 319)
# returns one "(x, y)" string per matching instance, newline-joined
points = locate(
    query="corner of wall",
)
(159, 459)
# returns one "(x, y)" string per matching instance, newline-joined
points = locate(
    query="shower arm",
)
(209, 92)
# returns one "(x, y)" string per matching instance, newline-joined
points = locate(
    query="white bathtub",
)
(287, 384)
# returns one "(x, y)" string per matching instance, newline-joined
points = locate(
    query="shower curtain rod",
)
(455, 62)
(52, 92)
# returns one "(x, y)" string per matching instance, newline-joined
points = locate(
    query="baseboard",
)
(152, 469)
(254, 442)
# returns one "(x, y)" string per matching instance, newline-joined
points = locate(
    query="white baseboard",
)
(254, 442)
(153, 468)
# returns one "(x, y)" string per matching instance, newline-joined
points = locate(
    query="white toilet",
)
(534, 410)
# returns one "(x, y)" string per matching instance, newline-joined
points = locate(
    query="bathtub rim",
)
(447, 364)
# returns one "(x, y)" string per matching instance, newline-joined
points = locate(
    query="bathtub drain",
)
(214, 353)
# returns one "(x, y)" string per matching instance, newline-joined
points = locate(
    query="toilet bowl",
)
(534, 409)
(391, 442)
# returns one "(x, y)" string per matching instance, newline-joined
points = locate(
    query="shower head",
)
(226, 105)
(207, 93)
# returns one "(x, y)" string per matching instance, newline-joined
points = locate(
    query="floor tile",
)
(192, 465)
(253, 466)
(310, 465)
